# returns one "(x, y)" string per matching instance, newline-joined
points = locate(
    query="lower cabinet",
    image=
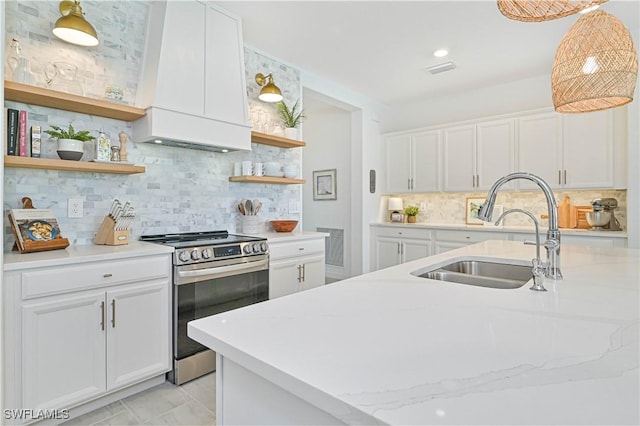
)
(393, 246)
(67, 347)
(445, 240)
(295, 266)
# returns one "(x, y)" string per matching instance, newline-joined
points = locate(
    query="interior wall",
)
(633, 152)
(327, 132)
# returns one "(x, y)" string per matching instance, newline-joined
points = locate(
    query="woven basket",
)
(542, 10)
(596, 65)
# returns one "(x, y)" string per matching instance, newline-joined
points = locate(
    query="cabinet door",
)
(588, 153)
(283, 277)
(540, 149)
(495, 152)
(398, 163)
(225, 79)
(312, 272)
(63, 350)
(425, 162)
(415, 249)
(459, 158)
(138, 330)
(387, 252)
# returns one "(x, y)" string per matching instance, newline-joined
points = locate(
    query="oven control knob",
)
(263, 247)
(247, 249)
(195, 255)
(206, 253)
(256, 248)
(183, 256)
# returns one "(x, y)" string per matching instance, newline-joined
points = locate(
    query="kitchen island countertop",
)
(389, 347)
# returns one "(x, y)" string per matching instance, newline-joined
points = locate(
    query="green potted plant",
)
(70, 141)
(411, 212)
(291, 118)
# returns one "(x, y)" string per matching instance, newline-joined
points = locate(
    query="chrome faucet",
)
(539, 268)
(552, 244)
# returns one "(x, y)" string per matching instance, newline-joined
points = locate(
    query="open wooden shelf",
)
(33, 95)
(279, 141)
(70, 166)
(266, 179)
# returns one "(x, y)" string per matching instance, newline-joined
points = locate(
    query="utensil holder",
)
(108, 235)
(250, 224)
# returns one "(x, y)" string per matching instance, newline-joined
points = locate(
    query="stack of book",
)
(22, 140)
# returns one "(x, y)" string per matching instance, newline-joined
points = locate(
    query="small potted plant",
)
(411, 212)
(291, 118)
(70, 141)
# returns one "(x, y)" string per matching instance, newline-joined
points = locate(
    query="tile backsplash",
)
(182, 190)
(450, 208)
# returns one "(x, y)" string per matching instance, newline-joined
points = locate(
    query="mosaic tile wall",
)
(450, 208)
(182, 189)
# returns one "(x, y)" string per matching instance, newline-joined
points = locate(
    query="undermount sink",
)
(481, 273)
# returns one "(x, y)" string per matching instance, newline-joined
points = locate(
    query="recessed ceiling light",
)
(440, 53)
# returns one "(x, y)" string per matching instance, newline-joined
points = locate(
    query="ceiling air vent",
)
(436, 69)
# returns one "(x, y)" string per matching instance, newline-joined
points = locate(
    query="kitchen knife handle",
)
(102, 315)
(113, 313)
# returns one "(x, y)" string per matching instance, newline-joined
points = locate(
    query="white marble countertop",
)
(491, 228)
(75, 254)
(275, 237)
(392, 348)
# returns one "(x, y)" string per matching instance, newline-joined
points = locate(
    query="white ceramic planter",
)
(291, 133)
(70, 149)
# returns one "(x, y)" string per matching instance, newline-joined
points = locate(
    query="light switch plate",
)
(294, 206)
(74, 207)
(423, 207)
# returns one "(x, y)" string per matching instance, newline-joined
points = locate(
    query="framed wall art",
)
(473, 207)
(324, 185)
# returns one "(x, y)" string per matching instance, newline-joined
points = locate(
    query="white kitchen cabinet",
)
(582, 239)
(413, 162)
(394, 245)
(78, 332)
(295, 266)
(570, 151)
(476, 155)
(449, 239)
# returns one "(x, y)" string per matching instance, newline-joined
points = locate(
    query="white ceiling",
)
(380, 49)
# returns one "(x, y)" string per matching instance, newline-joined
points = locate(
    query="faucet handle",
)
(529, 243)
(538, 271)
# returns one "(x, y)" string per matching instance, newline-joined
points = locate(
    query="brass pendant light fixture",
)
(596, 65)
(270, 92)
(543, 10)
(72, 27)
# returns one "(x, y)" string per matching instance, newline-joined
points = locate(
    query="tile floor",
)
(193, 403)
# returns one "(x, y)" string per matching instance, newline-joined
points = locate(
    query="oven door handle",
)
(223, 271)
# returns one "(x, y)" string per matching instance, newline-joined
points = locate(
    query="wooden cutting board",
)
(578, 217)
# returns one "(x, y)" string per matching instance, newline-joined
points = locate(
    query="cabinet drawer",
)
(63, 279)
(398, 232)
(470, 236)
(295, 248)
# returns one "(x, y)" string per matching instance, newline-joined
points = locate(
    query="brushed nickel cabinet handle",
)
(299, 273)
(107, 275)
(565, 177)
(102, 315)
(559, 177)
(113, 313)
(303, 272)
(408, 183)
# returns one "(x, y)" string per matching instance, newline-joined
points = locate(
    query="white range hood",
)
(192, 84)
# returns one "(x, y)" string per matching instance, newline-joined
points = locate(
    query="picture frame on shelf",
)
(324, 185)
(472, 208)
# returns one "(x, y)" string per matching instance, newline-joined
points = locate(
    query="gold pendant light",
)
(72, 27)
(596, 65)
(543, 10)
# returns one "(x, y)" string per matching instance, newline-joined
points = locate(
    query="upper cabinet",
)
(572, 151)
(193, 78)
(413, 162)
(476, 155)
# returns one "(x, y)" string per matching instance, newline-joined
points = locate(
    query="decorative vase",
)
(411, 219)
(291, 133)
(70, 149)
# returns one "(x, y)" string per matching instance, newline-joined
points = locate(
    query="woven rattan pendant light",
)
(543, 10)
(596, 65)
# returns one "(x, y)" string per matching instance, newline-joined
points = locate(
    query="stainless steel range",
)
(213, 272)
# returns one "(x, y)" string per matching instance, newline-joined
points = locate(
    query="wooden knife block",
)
(108, 235)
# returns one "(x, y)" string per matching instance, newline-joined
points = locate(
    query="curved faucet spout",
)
(553, 234)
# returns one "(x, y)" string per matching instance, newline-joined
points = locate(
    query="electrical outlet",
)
(294, 206)
(423, 207)
(74, 207)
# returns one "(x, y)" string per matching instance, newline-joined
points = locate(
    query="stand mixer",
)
(602, 217)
